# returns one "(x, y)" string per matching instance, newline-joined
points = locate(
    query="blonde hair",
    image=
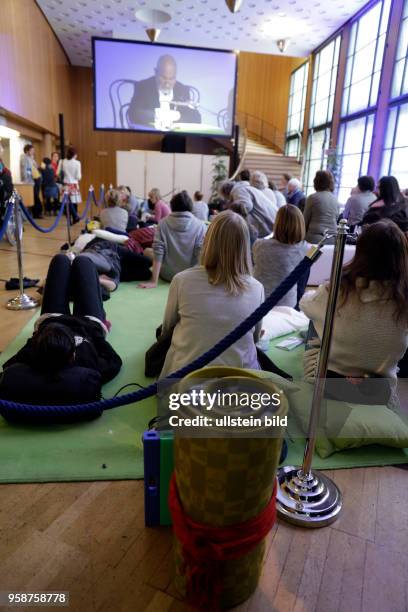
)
(112, 198)
(226, 252)
(289, 225)
(155, 193)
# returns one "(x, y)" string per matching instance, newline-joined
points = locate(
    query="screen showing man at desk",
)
(163, 88)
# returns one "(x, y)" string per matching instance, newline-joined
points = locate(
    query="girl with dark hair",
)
(370, 331)
(390, 204)
(177, 240)
(68, 359)
(321, 208)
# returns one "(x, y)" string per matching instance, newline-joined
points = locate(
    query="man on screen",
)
(161, 100)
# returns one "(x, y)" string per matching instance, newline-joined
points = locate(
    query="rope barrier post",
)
(68, 213)
(306, 498)
(21, 301)
(91, 190)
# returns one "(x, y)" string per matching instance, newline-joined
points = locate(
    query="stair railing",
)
(262, 129)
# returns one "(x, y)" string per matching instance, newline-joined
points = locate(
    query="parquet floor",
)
(89, 538)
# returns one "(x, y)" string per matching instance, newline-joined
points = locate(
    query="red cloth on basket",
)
(204, 547)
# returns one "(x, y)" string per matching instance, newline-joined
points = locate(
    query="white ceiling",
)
(207, 23)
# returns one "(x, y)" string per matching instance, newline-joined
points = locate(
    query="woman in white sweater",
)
(208, 301)
(370, 333)
(69, 169)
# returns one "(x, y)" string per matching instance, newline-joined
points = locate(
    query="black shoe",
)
(76, 220)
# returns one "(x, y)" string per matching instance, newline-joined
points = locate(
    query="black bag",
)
(156, 354)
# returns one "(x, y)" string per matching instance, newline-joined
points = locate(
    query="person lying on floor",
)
(208, 301)
(177, 240)
(370, 331)
(68, 359)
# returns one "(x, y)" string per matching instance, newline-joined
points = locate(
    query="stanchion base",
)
(22, 302)
(307, 502)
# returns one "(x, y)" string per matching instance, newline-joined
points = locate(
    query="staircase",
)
(261, 157)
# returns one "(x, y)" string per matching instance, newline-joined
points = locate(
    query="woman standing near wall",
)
(69, 169)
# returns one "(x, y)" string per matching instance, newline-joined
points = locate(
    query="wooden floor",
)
(89, 538)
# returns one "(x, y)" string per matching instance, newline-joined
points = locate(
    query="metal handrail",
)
(262, 129)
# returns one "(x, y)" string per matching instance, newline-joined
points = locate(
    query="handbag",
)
(155, 356)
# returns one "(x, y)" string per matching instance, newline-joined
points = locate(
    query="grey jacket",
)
(321, 212)
(261, 210)
(177, 242)
(274, 260)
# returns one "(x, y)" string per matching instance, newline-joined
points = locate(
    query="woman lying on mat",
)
(370, 333)
(208, 301)
(68, 359)
(177, 240)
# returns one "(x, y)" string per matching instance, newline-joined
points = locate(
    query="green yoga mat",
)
(110, 448)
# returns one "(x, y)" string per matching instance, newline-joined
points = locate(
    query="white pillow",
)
(283, 320)
(117, 238)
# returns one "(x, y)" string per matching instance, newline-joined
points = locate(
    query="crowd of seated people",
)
(220, 271)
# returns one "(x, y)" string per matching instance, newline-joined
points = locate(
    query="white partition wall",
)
(159, 172)
(130, 170)
(170, 172)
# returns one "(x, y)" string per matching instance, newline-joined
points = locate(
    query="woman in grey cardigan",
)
(275, 258)
(208, 301)
(321, 209)
(177, 241)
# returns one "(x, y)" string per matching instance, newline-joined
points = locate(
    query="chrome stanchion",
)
(304, 497)
(21, 301)
(68, 213)
(93, 199)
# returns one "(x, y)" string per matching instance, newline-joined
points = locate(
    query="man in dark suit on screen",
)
(155, 99)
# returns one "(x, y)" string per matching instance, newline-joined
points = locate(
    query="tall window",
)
(400, 82)
(296, 111)
(316, 156)
(365, 58)
(353, 153)
(396, 145)
(324, 83)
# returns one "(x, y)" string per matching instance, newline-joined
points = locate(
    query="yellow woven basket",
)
(226, 481)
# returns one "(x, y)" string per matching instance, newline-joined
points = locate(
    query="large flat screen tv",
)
(163, 88)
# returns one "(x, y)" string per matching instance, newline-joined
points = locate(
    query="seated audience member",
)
(295, 194)
(390, 204)
(244, 176)
(125, 202)
(280, 198)
(200, 208)
(241, 210)
(68, 359)
(359, 201)
(321, 208)
(114, 216)
(177, 240)
(210, 300)
(161, 210)
(276, 257)
(370, 331)
(284, 180)
(49, 186)
(261, 211)
(259, 181)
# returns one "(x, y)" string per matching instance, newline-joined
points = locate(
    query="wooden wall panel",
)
(35, 73)
(263, 86)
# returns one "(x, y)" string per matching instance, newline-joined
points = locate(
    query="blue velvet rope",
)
(87, 205)
(9, 408)
(44, 230)
(6, 220)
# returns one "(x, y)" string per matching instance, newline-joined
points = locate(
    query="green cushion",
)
(344, 425)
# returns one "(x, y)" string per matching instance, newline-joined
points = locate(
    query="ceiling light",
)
(282, 44)
(234, 5)
(152, 34)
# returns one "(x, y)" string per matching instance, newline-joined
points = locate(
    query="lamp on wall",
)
(234, 5)
(153, 18)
